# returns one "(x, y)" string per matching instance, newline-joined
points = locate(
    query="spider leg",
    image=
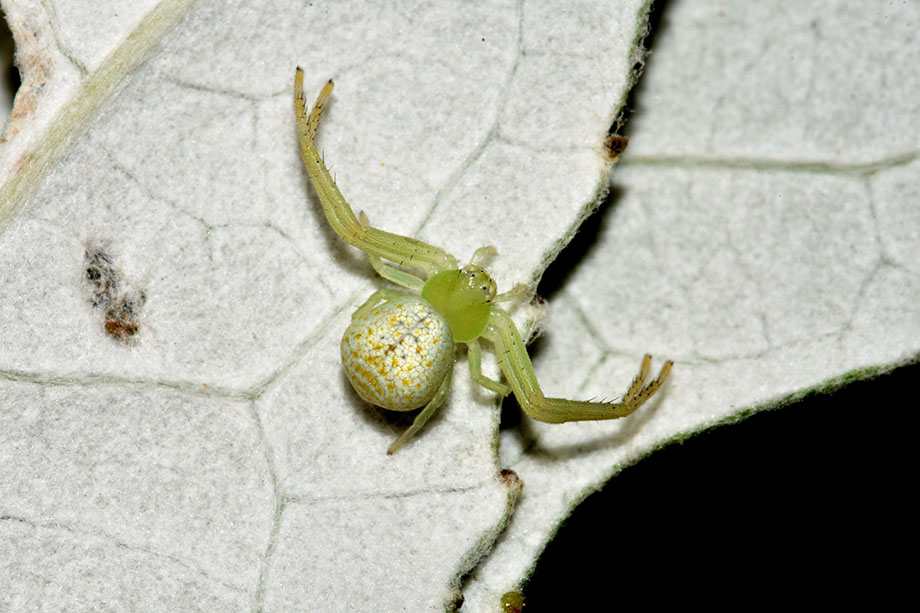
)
(422, 418)
(636, 386)
(374, 300)
(649, 390)
(519, 373)
(474, 357)
(390, 273)
(400, 249)
(395, 275)
(483, 255)
(518, 291)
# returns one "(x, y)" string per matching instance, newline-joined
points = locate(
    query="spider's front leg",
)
(519, 373)
(400, 249)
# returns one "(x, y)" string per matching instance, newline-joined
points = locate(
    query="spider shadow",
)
(384, 420)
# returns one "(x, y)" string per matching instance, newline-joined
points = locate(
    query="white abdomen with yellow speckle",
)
(397, 355)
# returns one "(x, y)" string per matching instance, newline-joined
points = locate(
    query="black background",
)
(818, 494)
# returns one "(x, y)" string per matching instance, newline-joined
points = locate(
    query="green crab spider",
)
(399, 350)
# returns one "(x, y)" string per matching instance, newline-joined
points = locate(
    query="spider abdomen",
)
(397, 354)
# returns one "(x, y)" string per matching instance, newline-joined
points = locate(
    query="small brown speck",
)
(120, 306)
(614, 145)
(511, 479)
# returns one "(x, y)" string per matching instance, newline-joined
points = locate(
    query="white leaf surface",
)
(765, 235)
(175, 429)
